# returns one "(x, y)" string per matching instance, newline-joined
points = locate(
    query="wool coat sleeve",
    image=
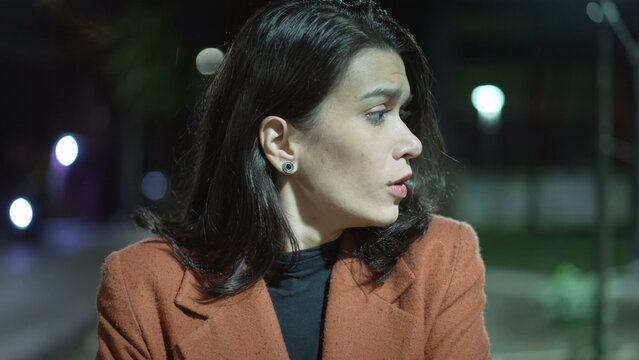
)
(458, 331)
(119, 334)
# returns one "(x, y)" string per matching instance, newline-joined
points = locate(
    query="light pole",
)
(607, 11)
(611, 14)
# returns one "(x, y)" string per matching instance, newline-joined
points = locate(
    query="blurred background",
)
(537, 103)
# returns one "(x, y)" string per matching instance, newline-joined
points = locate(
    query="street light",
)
(488, 100)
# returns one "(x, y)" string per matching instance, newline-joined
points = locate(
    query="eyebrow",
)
(382, 92)
(385, 92)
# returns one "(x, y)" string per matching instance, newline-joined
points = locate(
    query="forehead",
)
(373, 73)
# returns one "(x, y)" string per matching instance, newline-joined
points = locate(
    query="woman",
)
(308, 229)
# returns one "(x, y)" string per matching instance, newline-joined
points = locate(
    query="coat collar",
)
(360, 320)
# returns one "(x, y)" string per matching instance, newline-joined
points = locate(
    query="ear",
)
(277, 140)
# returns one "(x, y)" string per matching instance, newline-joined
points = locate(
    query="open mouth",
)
(400, 187)
(405, 180)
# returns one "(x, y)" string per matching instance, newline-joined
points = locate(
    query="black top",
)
(299, 297)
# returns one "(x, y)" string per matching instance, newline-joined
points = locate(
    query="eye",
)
(377, 117)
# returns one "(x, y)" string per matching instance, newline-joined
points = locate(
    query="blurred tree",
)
(568, 302)
(144, 65)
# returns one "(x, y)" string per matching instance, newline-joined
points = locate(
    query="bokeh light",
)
(488, 100)
(66, 150)
(594, 12)
(154, 185)
(610, 11)
(209, 60)
(21, 213)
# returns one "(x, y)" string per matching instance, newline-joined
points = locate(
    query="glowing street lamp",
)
(488, 100)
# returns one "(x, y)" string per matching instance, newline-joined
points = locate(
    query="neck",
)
(310, 229)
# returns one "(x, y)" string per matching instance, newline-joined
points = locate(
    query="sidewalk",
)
(519, 329)
(48, 288)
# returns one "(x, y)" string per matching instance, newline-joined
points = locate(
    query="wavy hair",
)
(230, 228)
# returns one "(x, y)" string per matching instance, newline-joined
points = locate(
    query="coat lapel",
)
(361, 321)
(243, 326)
(366, 322)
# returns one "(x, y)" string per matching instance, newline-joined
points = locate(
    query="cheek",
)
(345, 171)
(359, 157)
(345, 158)
(341, 154)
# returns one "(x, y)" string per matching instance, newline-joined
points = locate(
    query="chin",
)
(381, 216)
(383, 221)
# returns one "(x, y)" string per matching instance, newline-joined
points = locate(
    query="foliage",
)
(569, 297)
(569, 302)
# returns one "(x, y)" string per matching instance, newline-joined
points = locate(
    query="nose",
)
(409, 146)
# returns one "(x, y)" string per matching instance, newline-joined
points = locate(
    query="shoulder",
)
(146, 256)
(450, 278)
(137, 302)
(146, 266)
(445, 243)
(448, 229)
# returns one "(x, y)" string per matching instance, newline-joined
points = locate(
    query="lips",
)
(399, 188)
(402, 180)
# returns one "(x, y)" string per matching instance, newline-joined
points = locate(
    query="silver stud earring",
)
(288, 167)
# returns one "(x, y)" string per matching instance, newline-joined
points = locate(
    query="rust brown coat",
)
(431, 307)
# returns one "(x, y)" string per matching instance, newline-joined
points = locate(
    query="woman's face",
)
(359, 147)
